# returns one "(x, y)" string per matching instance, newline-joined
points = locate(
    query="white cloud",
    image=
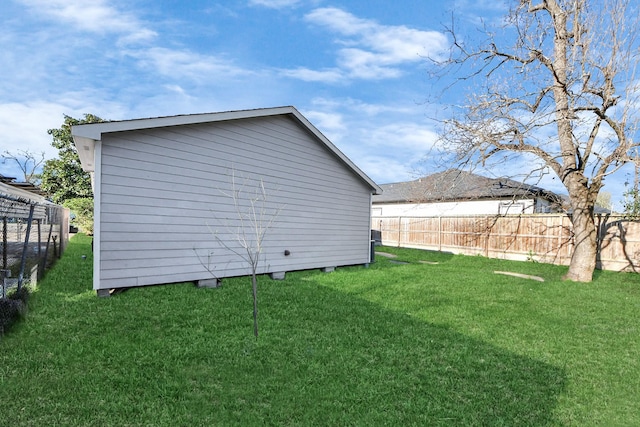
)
(480, 13)
(24, 126)
(176, 89)
(366, 65)
(332, 122)
(385, 170)
(355, 105)
(332, 75)
(411, 137)
(387, 141)
(340, 21)
(95, 16)
(274, 4)
(180, 64)
(372, 50)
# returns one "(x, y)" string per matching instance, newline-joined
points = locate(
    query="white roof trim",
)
(85, 136)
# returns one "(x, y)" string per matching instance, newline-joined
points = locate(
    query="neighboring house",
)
(164, 205)
(15, 200)
(455, 192)
(22, 208)
(26, 186)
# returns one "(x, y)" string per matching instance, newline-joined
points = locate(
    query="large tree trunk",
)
(583, 259)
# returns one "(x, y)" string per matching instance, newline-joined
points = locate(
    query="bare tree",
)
(27, 161)
(248, 225)
(562, 95)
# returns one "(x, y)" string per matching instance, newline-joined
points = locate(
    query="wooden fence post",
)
(440, 233)
(486, 240)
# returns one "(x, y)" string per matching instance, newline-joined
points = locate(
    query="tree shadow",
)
(324, 357)
(611, 230)
(404, 371)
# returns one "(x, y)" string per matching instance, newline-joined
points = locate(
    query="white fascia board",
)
(95, 130)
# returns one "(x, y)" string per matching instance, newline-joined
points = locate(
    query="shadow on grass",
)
(363, 363)
(180, 355)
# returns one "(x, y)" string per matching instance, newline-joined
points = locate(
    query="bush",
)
(21, 294)
(13, 308)
(82, 208)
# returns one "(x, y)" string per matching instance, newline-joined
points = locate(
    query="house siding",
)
(163, 199)
(469, 207)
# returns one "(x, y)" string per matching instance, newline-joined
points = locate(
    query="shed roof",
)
(456, 185)
(85, 136)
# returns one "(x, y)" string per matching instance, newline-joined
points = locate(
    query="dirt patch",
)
(386, 255)
(522, 276)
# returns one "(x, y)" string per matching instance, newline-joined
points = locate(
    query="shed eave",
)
(95, 130)
(86, 151)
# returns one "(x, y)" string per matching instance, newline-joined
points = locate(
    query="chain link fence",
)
(33, 234)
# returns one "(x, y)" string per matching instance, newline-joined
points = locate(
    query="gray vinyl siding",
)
(162, 195)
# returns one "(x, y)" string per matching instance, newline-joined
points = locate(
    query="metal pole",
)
(25, 248)
(5, 244)
(39, 221)
(4, 283)
(46, 249)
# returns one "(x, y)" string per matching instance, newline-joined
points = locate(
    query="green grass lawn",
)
(419, 344)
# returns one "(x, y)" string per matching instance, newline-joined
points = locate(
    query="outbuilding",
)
(180, 198)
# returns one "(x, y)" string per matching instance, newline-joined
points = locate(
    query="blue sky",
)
(356, 69)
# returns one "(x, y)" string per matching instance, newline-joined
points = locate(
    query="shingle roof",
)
(27, 186)
(455, 184)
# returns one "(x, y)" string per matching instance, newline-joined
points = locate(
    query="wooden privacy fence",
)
(540, 237)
